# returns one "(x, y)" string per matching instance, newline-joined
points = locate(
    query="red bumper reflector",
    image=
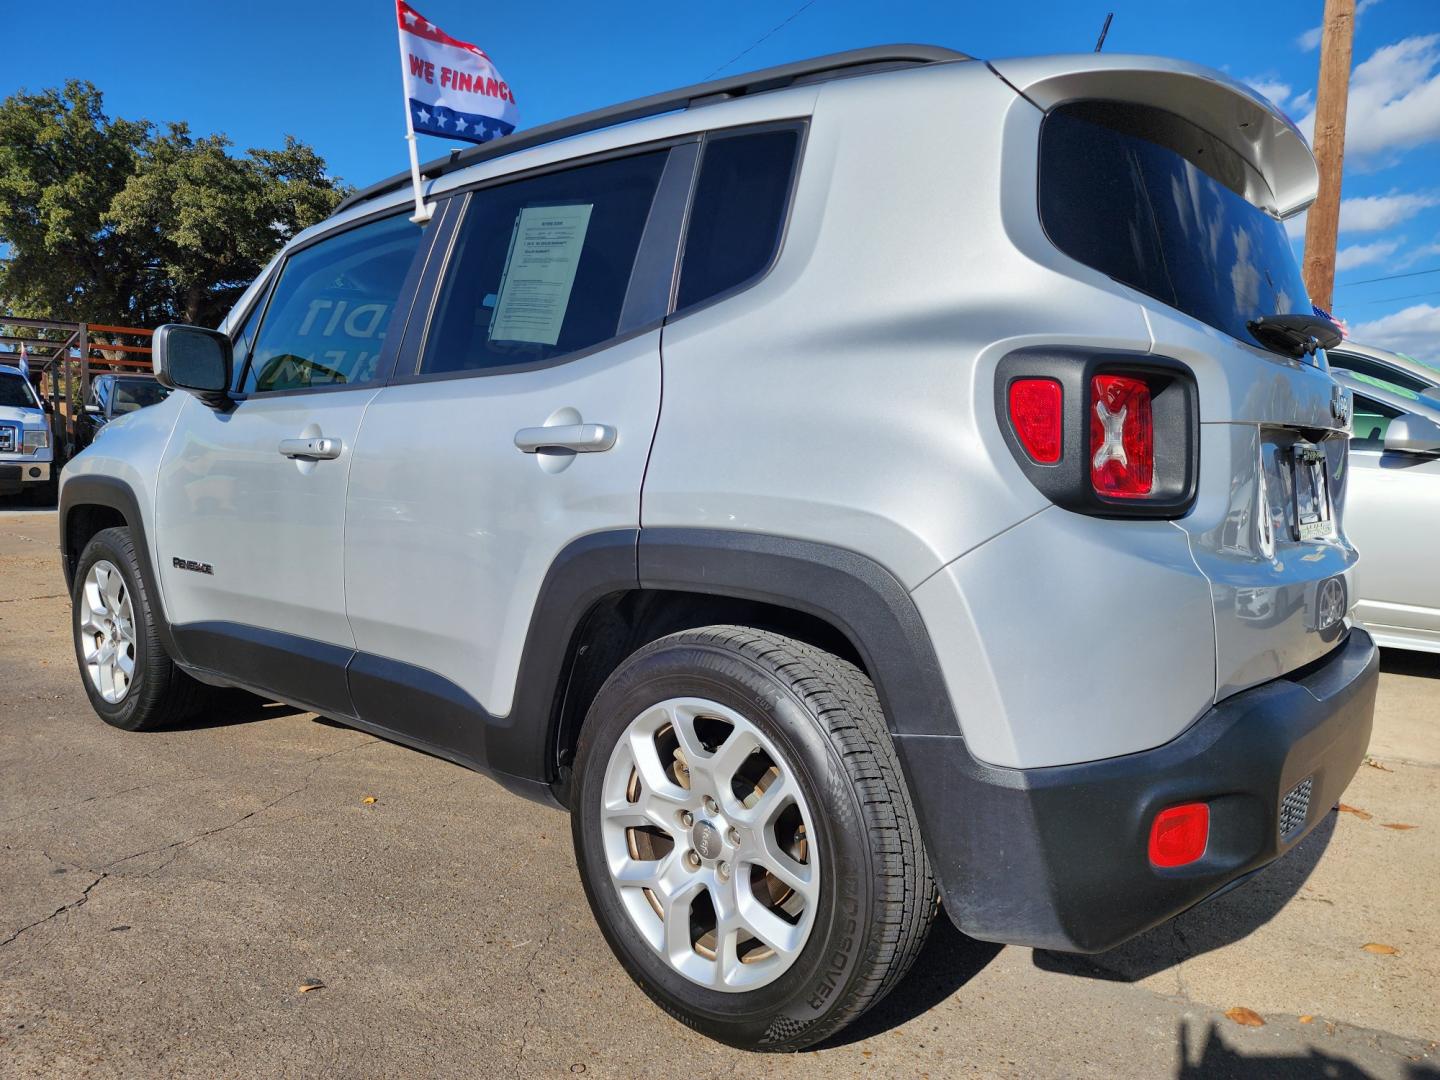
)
(1122, 437)
(1036, 412)
(1179, 835)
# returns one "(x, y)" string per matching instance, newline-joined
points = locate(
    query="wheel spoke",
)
(637, 873)
(727, 760)
(653, 780)
(114, 592)
(772, 800)
(682, 721)
(769, 927)
(792, 873)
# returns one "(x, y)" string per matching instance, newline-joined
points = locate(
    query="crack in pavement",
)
(554, 924)
(23, 599)
(74, 904)
(315, 764)
(93, 798)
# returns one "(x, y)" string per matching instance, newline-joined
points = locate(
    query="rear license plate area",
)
(1312, 512)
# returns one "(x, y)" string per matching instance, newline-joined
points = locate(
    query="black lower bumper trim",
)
(1057, 858)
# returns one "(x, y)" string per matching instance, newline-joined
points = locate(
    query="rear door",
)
(519, 420)
(250, 502)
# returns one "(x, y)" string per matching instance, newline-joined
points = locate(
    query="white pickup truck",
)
(26, 455)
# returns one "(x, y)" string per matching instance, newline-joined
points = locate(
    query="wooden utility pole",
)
(1322, 227)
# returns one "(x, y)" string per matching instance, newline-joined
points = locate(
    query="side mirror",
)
(194, 359)
(1411, 434)
(46, 405)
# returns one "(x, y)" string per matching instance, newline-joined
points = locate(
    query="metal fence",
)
(66, 356)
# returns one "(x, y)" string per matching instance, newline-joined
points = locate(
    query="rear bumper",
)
(1057, 858)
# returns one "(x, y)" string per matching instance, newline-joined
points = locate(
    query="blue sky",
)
(327, 71)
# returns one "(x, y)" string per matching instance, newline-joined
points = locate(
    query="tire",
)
(156, 692)
(863, 896)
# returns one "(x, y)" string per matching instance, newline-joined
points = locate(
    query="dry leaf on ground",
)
(1377, 765)
(308, 985)
(1307, 1019)
(1381, 950)
(1398, 826)
(368, 799)
(1245, 1017)
(1363, 815)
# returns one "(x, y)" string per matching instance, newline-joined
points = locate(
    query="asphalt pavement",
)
(168, 899)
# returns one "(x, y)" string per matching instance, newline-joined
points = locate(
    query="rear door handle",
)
(581, 438)
(314, 449)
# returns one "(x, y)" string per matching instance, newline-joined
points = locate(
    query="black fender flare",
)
(95, 489)
(852, 592)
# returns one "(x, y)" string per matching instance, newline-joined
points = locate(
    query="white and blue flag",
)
(452, 88)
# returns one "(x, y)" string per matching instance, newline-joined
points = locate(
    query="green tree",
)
(62, 162)
(112, 221)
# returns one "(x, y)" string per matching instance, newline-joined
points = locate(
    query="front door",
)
(250, 503)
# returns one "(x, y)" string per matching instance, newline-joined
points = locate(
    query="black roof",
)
(820, 69)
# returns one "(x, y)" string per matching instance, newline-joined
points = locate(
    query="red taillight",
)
(1122, 437)
(1178, 836)
(1036, 412)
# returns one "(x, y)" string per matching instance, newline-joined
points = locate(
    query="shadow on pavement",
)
(1215, 1059)
(230, 707)
(1405, 662)
(948, 961)
(1210, 924)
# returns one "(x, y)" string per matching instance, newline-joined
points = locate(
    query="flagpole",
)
(423, 210)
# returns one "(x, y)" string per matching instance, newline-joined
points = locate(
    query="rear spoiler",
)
(1232, 112)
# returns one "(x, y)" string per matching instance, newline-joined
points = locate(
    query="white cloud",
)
(1310, 39)
(1372, 213)
(1348, 258)
(1303, 103)
(1415, 330)
(1394, 98)
(1272, 88)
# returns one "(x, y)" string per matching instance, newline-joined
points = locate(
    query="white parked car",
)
(1393, 494)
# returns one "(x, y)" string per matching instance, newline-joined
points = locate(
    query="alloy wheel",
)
(708, 840)
(107, 632)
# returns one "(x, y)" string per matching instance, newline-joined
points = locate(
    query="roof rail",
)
(818, 69)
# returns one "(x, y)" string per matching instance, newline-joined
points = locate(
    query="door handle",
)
(581, 438)
(313, 449)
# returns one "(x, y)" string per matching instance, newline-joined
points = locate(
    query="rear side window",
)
(738, 212)
(326, 320)
(1157, 203)
(541, 266)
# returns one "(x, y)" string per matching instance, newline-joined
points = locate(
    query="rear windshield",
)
(14, 393)
(1153, 201)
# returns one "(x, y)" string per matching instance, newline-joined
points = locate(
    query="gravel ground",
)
(164, 896)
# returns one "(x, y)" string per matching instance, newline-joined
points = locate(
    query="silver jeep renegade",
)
(881, 483)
